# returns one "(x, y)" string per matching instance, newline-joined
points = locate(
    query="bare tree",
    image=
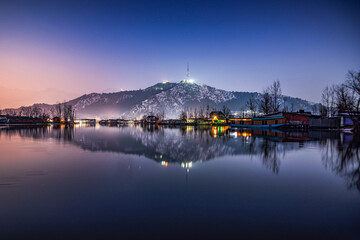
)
(201, 113)
(195, 113)
(285, 107)
(275, 92)
(251, 104)
(265, 102)
(325, 99)
(344, 99)
(207, 113)
(314, 108)
(323, 111)
(183, 115)
(332, 109)
(226, 111)
(162, 115)
(69, 113)
(353, 83)
(328, 99)
(58, 110)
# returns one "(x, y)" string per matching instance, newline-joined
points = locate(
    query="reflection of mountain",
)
(340, 153)
(179, 145)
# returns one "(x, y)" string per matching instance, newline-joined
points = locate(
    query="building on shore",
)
(218, 118)
(294, 119)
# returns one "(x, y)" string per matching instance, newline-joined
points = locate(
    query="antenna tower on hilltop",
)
(188, 72)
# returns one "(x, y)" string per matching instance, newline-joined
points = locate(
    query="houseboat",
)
(198, 121)
(218, 118)
(258, 122)
(151, 119)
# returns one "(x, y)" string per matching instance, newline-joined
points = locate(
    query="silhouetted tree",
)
(353, 83)
(207, 113)
(275, 92)
(226, 111)
(265, 102)
(183, 115)
(251, 104)
(328, 99)
(344, 99)
(58, 110)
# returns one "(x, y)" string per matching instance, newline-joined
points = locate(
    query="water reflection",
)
(341, 155)
(188, 145)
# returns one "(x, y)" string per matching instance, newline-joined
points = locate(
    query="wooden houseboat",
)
(258, 122)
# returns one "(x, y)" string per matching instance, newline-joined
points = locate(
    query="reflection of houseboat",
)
(270, 134)
(258, 122)
(219, 131)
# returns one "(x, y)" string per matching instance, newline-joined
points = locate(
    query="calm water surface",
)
(134, 182)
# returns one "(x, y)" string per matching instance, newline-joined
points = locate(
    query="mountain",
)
(169, 98)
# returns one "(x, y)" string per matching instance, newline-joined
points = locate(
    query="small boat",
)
(258, 122)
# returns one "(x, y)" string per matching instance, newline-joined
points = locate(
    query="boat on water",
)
(258, 122)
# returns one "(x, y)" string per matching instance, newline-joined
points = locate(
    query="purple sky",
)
(56, 50)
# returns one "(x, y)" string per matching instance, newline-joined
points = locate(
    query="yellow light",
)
(244, 134)
(164, 163)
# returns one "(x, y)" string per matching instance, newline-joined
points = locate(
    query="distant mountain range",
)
(168, 97)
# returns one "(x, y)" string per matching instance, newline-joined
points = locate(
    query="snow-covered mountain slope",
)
(168, 98)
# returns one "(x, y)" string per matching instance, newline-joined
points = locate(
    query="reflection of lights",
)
(189, 128)
(214, 131)
(233, 134)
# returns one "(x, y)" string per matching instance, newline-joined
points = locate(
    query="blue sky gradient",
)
(232, 45)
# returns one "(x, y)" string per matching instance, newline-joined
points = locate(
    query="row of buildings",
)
(299, 120)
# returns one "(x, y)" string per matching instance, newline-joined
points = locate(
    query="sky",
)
(52, 51)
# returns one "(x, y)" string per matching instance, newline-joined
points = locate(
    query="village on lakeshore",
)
(339, 110)
(282, 120)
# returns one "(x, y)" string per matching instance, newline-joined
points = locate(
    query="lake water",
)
(134, 182)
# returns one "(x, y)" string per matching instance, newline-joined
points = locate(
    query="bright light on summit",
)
(189, 80)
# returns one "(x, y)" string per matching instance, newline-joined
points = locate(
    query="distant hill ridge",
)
(167, 97)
